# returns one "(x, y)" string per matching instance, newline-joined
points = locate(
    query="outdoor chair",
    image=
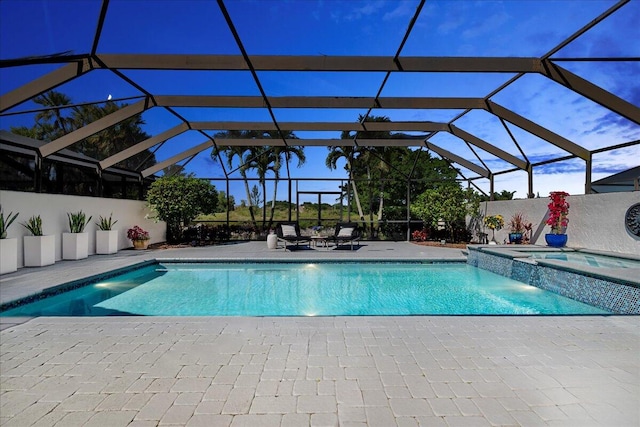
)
(289, 233)
(346, 232)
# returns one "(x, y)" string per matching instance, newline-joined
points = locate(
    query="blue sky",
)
(332, 27)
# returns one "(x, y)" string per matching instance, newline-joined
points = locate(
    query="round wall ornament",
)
(632, 219)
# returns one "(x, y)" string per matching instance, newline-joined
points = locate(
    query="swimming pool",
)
(310, 289)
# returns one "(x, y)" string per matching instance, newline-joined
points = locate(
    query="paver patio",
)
(316, 371)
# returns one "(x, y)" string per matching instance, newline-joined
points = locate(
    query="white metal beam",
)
(457, 159)
(537, 130)
(319, 102)
(321, 63)
(175, 159)
(587, 89)
(43, 84)
(93, 128)
(323, 126)
(489, 148)
(141, 146)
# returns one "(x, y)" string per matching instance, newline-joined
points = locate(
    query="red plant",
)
(558, 212)
(419, 235)
(137, 233)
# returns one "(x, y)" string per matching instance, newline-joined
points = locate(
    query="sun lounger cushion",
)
(345, 232)
(288, 230)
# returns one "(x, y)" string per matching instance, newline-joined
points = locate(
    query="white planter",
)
(106, 241)
(75, 245)
(8, 255)
(39, 250)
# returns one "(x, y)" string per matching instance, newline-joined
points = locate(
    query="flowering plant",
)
(419, 235)
(558, 212)
(494, 222)
(316, 229)
(137, 233)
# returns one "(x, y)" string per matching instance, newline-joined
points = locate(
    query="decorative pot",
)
(106, 241)
(515, 238)
(555, 240)
(140, 244)
(272, 241)
(75, 245)
(39, 250)
(8, 255)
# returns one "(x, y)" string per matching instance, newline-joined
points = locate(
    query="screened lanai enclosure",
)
(318, 111)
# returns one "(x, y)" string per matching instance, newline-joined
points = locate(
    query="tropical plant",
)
(137, 233)
(518, 223)
(278, 153)
(379, 176)
(245, 155)
(450, 204)
(262, 160)
(34, 225)
(6, 222)
(348, 153)
(558, 212)
(178, 200)
(59, 117)
(105, 224)
(77, 221)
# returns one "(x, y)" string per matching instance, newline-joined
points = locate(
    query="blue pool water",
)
(291, 289)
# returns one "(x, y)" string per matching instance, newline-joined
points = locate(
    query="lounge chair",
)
(289, 233)
(346, 232)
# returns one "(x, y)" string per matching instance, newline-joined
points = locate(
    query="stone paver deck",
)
(324, 371)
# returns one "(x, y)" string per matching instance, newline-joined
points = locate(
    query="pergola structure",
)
(76, 66)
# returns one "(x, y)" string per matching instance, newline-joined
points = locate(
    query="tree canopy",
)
(179, 199)
(60, 117)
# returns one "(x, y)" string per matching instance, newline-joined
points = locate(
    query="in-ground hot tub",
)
(607, 280)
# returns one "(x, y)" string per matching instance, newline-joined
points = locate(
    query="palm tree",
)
(262, 159)
(244, 154)
(262, 162)
(348, 153)
(53, 101)
(278, 153)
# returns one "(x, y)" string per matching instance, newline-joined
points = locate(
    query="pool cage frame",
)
(105, 172)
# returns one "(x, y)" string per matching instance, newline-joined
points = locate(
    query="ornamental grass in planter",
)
(8, 247)
(106, 237)
(39, 250)
(75, 244)
(519, 228)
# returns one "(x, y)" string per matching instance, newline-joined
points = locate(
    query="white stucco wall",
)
(596, 221)
(53, 209)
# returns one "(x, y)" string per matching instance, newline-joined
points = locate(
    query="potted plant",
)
(139, 237)
(420, 235)
(75, 244)
(557, 219)
(494, 222)
(8, 247)
(39, 250)
(518, 226)
(106, 237)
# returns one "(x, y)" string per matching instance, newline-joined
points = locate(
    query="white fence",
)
(53, 209)
(596, 221)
